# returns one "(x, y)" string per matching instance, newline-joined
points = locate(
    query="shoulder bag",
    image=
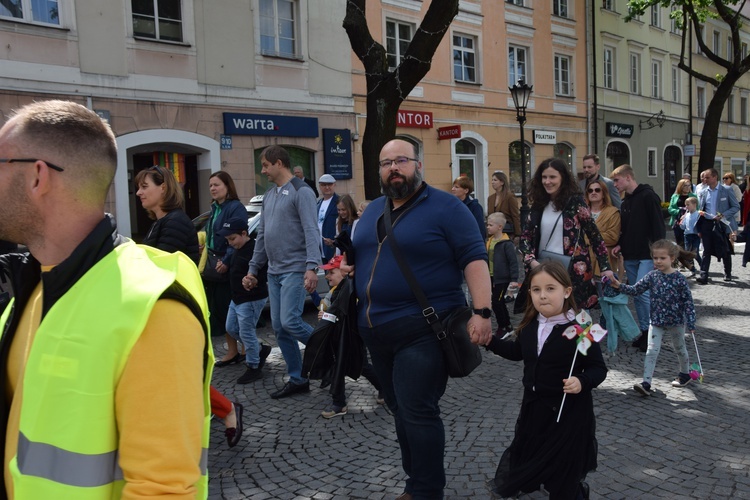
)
(460, 354)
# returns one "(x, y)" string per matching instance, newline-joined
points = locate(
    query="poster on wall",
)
(337, 153)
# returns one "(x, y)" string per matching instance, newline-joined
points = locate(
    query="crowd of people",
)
(583, 242)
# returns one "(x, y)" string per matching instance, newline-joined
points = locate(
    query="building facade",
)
(639, 97)
(194, 85)
(461, 115)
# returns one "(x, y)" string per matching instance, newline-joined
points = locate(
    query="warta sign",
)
(285, 126)
(414, 119)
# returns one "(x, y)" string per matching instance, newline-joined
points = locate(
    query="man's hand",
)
(249, 282)
(311, 281)
(480, 330)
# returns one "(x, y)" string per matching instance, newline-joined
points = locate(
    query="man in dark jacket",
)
(642, 223)
(327, 214)
(300, 174)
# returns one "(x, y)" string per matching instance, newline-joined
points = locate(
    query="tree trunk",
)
(710, 133)
(386, 90)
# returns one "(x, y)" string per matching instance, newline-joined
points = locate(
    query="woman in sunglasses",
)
(607, 219)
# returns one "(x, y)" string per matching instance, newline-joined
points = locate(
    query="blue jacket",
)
(437, 236)
(221, 213)
(329, 226)
(728, 206)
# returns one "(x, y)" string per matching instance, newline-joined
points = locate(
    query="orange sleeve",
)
(159, 406)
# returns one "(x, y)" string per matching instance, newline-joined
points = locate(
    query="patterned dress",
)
(579, 233)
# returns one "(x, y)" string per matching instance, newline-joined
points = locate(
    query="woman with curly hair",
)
(560, 223)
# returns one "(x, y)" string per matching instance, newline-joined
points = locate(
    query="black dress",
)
(543, 451)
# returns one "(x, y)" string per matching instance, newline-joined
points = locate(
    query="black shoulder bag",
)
(460, 354)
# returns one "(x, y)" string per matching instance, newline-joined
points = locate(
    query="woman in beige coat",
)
(504, 201)
(607, 219)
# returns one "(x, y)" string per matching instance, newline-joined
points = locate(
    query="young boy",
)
(503, 268)
(692, 238)
(334, 276)
(246, 306)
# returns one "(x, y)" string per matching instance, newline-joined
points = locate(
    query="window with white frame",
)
(730, 109)
(700, 102)
(675, 83)
(36, 11)
(651, 160)
(398, 36)
(517, 65)
(464, 58)
(743, 110)
(562, 76)
(158, 19)
(278, 28)
(717, 43)
(608, 4)
(655, 78)
(635, 73)
(560, 8)
(656, 16)
(673, 21)
(609, 68)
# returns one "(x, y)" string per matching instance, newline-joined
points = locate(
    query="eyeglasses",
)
(401, 161)
(594, 190)
(31, 160)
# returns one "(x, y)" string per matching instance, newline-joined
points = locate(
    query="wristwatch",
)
(484, 312)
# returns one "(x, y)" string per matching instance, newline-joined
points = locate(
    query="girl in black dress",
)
(546, 452)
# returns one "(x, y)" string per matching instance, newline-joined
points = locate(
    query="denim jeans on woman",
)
(409, 364)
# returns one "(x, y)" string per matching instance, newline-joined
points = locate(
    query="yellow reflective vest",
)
(68, 438)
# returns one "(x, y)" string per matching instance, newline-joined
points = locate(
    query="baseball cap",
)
(327, 179)
(232, 226)
(334, 263)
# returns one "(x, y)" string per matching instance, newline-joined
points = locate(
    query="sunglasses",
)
(727, 178)
(595, 190)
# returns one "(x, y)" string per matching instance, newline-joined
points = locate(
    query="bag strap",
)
(553, 230)
(427, 311)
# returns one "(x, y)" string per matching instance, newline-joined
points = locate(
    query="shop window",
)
(298, 157)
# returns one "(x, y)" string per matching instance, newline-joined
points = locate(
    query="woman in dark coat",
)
(560, 222)
(462, 188)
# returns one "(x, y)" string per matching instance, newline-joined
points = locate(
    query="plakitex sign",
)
(545, 137)
(286, 126)
(414, 119)
(452, 132)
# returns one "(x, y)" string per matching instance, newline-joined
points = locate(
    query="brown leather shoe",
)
(404, 496)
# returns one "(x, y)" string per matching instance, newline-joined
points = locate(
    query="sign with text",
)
(545, 137)
(226, 141)
(689, 149)
(337, 153)
(414, 119)
(286, 126)
(452, 132)
(613, 129)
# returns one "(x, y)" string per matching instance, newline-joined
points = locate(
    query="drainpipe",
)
(594, 120)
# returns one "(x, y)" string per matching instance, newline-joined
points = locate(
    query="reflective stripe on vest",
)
(68, 437)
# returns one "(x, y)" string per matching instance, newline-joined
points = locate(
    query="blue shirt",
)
(689, 221)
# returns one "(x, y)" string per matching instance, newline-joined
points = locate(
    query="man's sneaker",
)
(265, 350)
(644, 389)
(334, 411)
(250, 375)
(702, 279)
(682, 380)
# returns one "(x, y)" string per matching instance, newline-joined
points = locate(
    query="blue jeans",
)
(655, 335)
(409, 365)
(637, 269)
(693, 244)
(286, 294)
(241, 322)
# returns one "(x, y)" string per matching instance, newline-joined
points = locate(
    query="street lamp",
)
(521, 93)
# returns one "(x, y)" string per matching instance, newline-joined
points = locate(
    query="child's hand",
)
(571, 385)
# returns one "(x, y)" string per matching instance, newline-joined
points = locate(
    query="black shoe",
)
(325, 383)
(233, 434)
(727, 277)
(265, 350)
(703, 280)
(250, 375)
(585, 491)
(236, 359)
(290, 389)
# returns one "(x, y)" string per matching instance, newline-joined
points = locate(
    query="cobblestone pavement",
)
(689, 442)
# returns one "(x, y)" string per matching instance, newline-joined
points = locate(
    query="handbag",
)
(460, 354)
(509, 228)
(209, 272)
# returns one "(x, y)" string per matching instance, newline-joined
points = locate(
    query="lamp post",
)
(521, 93)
